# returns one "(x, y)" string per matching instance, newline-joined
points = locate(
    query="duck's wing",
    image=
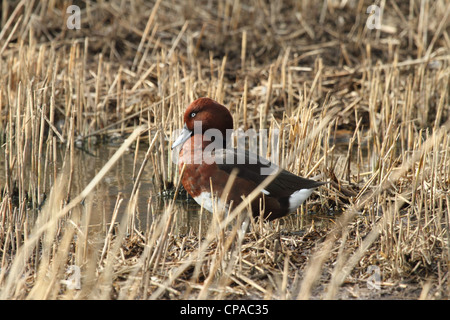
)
(256, 168)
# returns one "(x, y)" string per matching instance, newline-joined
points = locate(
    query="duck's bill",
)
(184, 135)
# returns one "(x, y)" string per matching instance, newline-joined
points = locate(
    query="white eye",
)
(193, 114)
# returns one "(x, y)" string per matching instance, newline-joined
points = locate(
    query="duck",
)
(207, 161)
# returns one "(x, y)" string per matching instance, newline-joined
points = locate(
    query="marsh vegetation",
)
(367, 109)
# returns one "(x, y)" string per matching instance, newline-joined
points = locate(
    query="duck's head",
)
(209, 118)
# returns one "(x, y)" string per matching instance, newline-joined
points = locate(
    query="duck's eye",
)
(193, 114)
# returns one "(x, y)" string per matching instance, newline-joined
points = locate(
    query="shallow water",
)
(118, 182)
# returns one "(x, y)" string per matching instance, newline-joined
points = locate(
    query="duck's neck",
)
(221, 140)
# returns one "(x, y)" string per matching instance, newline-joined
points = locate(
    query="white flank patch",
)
(298, 197)
(204, 199)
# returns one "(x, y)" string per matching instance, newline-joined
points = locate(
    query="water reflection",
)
(119, 183)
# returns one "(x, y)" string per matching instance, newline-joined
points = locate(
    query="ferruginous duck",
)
(209, 162)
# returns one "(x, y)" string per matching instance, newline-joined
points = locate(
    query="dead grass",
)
(367, 109)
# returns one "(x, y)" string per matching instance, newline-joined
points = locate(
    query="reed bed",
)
(366, 109)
